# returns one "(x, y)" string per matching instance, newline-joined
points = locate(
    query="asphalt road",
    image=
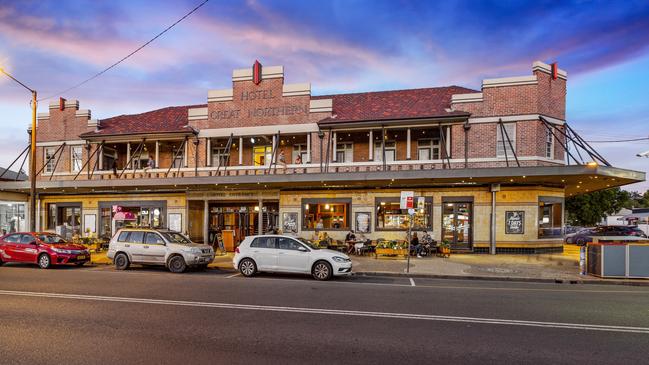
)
(97, 315)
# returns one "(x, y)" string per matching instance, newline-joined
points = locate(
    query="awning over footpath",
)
(575, 179)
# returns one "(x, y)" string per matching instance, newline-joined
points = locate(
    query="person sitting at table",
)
(414, 244)
(350, 240)
(323, 239)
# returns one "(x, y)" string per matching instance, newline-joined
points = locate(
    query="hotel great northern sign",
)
(259, 104)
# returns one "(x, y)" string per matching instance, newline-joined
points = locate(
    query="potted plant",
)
(444, 249)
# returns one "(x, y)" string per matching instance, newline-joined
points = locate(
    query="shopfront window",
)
(64, 219)
(299, 150)
(389, 216)
(329, 214)
(550, 217)
(12, 217)
(114, 216)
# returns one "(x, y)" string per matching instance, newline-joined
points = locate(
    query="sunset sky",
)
(338, 46)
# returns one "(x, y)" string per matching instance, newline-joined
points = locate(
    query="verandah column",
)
(408, 144)
(240, 150)
(370, 145)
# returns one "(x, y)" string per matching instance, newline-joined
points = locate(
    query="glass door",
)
(456, 224)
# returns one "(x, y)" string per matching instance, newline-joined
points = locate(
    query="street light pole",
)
(32, 156)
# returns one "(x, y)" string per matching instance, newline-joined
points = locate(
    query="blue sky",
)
(338, 46)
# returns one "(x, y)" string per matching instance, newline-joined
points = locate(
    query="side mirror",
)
(302, 249)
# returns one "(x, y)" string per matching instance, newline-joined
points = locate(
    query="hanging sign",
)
(407, 200)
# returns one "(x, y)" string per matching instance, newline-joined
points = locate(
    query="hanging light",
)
(306, 206)
(252, 139)
(326, 206)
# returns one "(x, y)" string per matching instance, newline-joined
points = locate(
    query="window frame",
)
(155, 234)
(549, 144)
(501, 139)
(555, 232)
(257, 239)
(299, 149)
(313, 202)
(433, 146)
(346, 150)
(49, 165)
(73, 166)
(221, 158)
(392, 200)
(378, 155)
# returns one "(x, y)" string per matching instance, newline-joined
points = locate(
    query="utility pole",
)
(32, 156)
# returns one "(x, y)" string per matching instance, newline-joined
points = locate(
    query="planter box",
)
(392, 252)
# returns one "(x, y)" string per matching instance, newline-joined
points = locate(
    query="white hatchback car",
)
(276, 253)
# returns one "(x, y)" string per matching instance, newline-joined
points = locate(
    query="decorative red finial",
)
(256, 72)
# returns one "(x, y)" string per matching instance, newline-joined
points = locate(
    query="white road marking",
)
(412, 282)
(339, 312)
(233, 275)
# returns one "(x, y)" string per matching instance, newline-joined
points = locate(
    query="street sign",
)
(407, 200)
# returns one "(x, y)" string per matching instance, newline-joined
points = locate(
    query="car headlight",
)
(58, 250)
(340, 259)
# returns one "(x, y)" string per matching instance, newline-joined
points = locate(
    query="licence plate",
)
(81, 257)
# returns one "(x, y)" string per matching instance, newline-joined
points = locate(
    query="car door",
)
(27, 249)
(8, 247)
(292, 256)
(135, 246)
(154, 248)
(264, 252)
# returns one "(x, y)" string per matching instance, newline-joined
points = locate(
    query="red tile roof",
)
(165, 120)
(394, 104)
(367, 106)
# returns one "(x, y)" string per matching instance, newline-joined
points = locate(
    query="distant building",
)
(9, 175)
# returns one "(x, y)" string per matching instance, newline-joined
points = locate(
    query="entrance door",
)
(456, 224)
(262, 155)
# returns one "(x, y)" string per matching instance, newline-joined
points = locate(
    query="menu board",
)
(289, 222)
(363, 222)
(514, 222)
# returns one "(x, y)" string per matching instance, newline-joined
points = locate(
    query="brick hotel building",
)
(488, 167)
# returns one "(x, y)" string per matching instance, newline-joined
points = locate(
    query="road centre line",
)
(233, 275)
(339, 312)
(412, 281)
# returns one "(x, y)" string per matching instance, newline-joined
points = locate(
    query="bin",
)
(618, 257)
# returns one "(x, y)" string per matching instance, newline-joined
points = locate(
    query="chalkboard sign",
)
(514, 222)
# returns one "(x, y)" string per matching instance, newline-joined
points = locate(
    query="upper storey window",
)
(76, 158)
(549, 144)
(428, 149)
(344, 152)
(390, 151)
(49, 158)
(502, 144)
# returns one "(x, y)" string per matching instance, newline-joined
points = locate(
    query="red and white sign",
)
(407, 200)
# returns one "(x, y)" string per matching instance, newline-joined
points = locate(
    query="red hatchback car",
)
(44, 249)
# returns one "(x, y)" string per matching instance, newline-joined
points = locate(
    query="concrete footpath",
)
(555, 267)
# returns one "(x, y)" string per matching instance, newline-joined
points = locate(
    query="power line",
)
(127, 56)
(621, 140)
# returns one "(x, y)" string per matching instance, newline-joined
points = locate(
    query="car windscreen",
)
(307, 243)
(51, 238)
(175, 237)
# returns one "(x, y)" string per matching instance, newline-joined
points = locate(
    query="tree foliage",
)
(589, 209)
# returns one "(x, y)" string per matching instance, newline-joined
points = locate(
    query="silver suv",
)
(157, 247)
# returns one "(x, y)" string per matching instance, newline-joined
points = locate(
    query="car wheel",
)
(121, 261)
(580, 241)
(44, 261)
(177, 264)
(247, 267)
(322, 270)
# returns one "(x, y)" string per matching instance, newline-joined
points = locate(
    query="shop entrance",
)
(456, 224)
(233, 221)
